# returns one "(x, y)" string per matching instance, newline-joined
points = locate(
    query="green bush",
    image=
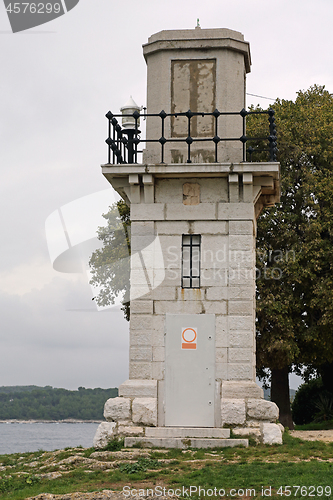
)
(140, 466)
(324, 407)
(115, 444)
(312, 403)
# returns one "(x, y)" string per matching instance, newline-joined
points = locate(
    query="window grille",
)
(191, 246)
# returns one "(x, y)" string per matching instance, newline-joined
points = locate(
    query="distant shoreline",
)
(64, 421)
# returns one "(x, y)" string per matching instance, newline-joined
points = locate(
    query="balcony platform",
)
(191, 169)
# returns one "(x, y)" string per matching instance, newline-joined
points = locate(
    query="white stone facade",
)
(217, 60)
(219, 202)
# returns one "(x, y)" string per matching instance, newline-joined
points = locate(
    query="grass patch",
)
(315, 426)
(87, 452)
(257, 468)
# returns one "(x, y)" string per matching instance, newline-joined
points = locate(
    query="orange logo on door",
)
(189, 336)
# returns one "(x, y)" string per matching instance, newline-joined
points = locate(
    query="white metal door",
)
(190, 370)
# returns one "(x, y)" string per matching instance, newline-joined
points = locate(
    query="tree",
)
(294, 258)
(109, 265)
(52, 404)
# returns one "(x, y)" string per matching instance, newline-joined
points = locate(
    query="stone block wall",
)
(227, 276)
(222, 209)
(217, 60)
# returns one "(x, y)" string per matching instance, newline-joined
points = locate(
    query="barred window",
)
(191, 245)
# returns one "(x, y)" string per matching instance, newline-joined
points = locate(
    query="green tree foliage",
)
(312, 403)
(47, 403)
(109, 265)
(21, 388)
(294, 258)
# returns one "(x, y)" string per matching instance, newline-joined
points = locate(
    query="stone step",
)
(184, 443)
(187, 432)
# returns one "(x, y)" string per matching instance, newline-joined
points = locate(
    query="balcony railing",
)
(123, 143)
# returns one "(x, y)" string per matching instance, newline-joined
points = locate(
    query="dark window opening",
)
(191, 244)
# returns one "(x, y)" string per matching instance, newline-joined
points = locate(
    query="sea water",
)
(21, 437)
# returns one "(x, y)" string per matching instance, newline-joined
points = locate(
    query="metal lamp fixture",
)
(131, 123)
(128, 122)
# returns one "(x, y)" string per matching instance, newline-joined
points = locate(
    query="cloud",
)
(55, 334)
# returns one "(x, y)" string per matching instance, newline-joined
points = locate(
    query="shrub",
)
(324, 407)
(311, 403)
(141, 465)
(115, 444)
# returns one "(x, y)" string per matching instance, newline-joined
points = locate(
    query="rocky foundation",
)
(135, 412)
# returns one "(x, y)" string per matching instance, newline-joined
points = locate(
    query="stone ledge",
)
(241, 389)
(187, 432)
(260, 409)
(271, 434)
(104, 433)
(130, 430)
(247, 431)
(184, 443)
(116, 409)
(178, 211)
(144, 411)
(233, 411)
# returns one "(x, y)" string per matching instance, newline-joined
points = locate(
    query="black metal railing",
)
(123, 143)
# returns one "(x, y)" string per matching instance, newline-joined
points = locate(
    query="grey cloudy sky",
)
(57, 82)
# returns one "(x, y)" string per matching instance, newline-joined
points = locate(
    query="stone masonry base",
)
(133, 415)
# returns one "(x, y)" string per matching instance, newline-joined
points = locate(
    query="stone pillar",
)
(201, 70)
(214, 205)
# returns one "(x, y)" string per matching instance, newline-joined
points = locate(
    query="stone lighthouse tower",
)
(194, 201)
